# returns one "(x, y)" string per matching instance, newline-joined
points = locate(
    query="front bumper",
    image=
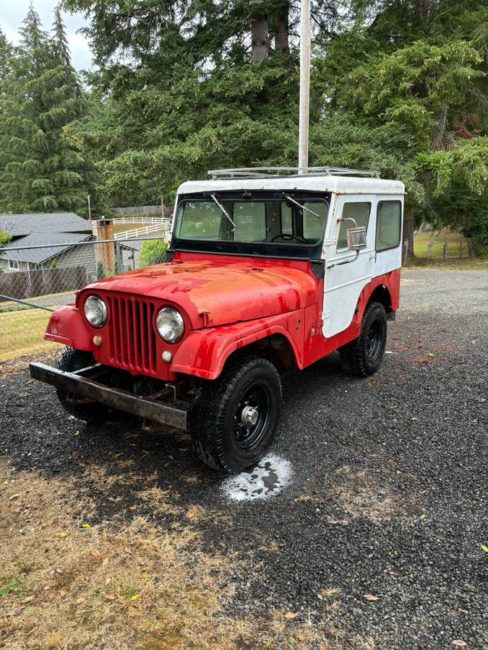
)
(79, 383)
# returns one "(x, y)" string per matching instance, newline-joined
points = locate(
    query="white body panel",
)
(348, 272)
(335, 184)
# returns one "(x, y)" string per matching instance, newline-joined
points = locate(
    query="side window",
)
(388, 225)
(250, 220)
(360, 212)
(313, 223)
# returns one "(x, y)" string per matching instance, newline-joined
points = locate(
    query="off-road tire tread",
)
(206, 417)
(352, 355)
(70, 360)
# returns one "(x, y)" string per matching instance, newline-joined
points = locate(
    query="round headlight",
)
(95, 311)
(170, 325)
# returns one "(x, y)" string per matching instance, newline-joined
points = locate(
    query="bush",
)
(152, 252)
(101, 271)
(5, 237)
(477, 231)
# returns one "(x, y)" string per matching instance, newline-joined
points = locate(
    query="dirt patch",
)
(124, 583)
(361, 493)
(79, 584)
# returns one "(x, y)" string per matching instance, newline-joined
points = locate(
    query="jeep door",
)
(347, 272)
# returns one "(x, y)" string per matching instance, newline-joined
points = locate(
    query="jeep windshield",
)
(271, 223)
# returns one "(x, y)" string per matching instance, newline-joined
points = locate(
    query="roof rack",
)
(265, 172)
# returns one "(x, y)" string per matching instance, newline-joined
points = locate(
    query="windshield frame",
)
(257, 248)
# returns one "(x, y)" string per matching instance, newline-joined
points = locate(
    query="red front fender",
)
(204, 353)
(66, 326)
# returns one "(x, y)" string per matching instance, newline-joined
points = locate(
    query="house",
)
(54, 238)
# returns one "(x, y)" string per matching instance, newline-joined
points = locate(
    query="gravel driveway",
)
(381, 526)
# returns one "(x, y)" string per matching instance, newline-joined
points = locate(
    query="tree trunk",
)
(408, 228)
(259, 32)
(282, 29)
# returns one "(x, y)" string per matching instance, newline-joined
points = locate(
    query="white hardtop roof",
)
(325, 183)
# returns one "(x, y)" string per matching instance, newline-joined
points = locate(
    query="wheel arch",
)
(382, 295)
(276, 348)
(205, 352)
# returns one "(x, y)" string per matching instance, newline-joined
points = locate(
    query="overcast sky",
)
(12, 13)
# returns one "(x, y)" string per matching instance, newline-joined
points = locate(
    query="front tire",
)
(235, 417)
(91, 412)
(363, 356)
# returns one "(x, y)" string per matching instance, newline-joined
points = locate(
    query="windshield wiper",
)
(302, 206)
(222, 208)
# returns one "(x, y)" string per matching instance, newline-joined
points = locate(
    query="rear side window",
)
(360, 213)
(388, 225)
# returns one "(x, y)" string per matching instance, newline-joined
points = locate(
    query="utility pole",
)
(304, 109)
(88, 198)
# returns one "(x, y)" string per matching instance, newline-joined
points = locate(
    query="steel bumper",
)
(116, 398)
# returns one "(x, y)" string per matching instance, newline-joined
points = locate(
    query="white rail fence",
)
(146, 220)
(160, 226)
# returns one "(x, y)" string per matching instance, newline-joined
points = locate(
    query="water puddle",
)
(263, 481)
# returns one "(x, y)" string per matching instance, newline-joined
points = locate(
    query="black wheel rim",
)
(251, 417)
(374, 340)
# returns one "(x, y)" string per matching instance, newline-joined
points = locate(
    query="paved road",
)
(387, 481)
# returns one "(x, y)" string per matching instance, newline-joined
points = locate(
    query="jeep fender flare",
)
(66, 325)
(384, 289)
(204, 353)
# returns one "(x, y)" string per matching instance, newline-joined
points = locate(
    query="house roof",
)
(40, 229)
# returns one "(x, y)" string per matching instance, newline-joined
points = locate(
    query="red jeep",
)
(267, 269)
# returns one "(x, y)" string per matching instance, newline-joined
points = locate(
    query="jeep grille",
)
(132, 343)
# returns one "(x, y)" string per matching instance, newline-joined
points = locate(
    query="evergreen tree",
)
(195, 91)
(397, 85)
(43, 169)
(414, 73)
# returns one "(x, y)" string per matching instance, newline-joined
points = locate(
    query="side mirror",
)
(356, 238)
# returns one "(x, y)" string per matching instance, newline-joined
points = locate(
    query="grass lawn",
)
(123, 227)
(453, 238)
(81, 570)
(22, 333)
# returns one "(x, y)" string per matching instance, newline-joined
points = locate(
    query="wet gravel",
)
(388, 496)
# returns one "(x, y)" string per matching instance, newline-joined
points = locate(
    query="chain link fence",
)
(34, 280)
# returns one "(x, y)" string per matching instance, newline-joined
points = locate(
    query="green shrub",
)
(477, 231)
(152, 252)
(101, 271)
(5, 237)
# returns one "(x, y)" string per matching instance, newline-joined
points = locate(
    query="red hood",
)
(214, 293)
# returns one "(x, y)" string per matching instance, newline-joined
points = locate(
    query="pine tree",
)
(42, 169)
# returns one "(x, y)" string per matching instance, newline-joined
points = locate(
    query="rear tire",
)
(235, 417)
(91, 412)
(363, 356)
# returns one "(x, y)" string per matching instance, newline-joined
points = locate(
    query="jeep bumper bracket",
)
(116, 398)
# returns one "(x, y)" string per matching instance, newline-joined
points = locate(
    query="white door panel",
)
(336, 320)
(347, 273)
(387, 261)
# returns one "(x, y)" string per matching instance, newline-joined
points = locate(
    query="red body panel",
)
(67, 325)
(227, 302)
(216, 290)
